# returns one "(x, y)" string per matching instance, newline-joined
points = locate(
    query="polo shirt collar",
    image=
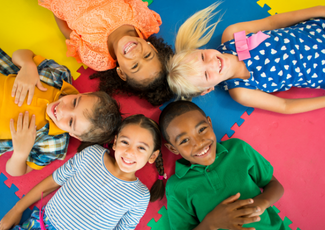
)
(183, 166)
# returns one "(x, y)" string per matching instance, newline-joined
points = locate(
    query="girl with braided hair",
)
(121, 198)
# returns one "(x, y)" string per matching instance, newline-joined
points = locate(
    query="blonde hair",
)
(193, 34)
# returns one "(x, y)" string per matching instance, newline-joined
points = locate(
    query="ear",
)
(154, 48)
(209, 120)
(207, 91)
(114, 144)
(153, 156)
(171, 148)
(78, 138)
(120, 74)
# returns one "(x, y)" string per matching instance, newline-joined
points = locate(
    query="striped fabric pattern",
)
(92, 198)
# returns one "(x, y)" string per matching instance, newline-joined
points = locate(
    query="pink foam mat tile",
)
(294, 145)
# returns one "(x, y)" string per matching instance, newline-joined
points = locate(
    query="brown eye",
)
(148, 55)
(135, 66)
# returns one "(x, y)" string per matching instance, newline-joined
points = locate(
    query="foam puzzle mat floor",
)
(292, 143)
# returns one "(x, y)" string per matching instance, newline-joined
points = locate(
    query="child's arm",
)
(266, 101)
(63, 26)
(26, 78)
(13, 217)
(231, 214)
(272, 192)
(273, 22)
(22, 140)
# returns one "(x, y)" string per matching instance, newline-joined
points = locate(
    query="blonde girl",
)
(251, 64)
(97, 190)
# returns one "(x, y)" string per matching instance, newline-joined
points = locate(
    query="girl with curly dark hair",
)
(101, 34)
(156, 92)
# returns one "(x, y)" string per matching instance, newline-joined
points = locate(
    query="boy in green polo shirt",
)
(210, 172)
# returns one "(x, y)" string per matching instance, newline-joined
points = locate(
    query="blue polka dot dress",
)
(291, 56)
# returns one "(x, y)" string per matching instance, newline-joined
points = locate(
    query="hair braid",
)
(157, 191)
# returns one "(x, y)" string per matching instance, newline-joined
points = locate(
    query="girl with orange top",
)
(116, 37)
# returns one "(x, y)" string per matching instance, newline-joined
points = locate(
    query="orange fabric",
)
(92, 21)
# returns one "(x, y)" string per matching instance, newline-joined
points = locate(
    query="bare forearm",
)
(23, 57)
(63, 26)
(46, 186)
(301, 105)
(16, 165)
(290, 18)
(272, 192)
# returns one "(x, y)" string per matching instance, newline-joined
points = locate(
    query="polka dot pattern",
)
(291, 56)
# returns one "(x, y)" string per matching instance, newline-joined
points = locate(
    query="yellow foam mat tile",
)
(281, 6)
(26, 25)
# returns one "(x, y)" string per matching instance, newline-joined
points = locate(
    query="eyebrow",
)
(154, 54)
(183, 133)
(140, 142)
(75, 121)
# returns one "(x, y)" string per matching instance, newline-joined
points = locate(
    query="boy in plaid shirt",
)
(37, 129)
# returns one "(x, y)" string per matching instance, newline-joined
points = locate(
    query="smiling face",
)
(137, 59)
(192, 136)
(134, 147)
(70, 112)
(212, 68)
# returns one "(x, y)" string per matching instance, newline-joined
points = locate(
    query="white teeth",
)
(203, 152)
(55, 111)
(128, 48)
(129, 162)
(219, 65)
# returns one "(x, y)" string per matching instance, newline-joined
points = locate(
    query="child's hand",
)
(12, 218)
(232, 214)
(25, 81)
(261, 203)
(24, 138)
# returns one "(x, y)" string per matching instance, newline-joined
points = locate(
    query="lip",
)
(126, 163)
(129, 46)
(205, 154)
(221, 62)
(52, 110)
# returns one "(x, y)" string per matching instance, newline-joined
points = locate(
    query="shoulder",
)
(141, 192)
(173, 184)
(228, 33)
(235, 144)
(94, 151)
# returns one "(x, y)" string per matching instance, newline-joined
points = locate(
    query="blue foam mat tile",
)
(10, 199)
(174, 13)
(222, 109)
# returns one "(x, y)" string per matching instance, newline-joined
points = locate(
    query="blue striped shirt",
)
(92, 198)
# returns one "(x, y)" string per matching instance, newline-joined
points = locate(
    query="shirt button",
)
(208, 170)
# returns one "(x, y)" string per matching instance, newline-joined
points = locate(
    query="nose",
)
(197, 141)
(64, 110)
(130, 150)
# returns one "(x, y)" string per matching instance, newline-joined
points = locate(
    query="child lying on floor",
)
(37, 129)
(210, 172)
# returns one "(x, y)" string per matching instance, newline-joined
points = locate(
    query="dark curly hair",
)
(156, 92)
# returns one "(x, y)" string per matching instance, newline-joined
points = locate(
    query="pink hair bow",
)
(244, 45)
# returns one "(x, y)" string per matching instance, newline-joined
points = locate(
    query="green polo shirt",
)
(195, 190)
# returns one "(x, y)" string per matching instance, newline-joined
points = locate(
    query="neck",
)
(116, 35)
(112, 167)
(239, 69)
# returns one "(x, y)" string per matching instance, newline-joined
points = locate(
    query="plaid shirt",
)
(46, 148)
